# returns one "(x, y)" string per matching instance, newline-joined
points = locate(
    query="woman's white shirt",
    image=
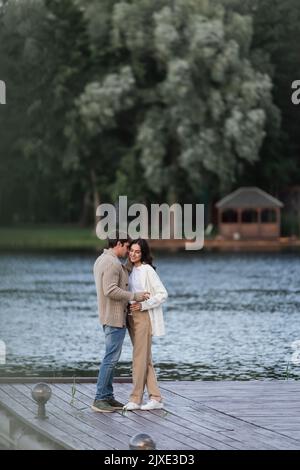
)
(135, 282)
(145, 278)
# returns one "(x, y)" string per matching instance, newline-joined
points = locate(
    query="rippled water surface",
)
(228, 316)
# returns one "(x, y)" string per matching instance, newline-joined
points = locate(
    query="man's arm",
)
(112, 290)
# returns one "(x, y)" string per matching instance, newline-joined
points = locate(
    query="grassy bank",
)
(49, 238)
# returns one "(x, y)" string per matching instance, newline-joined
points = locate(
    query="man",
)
(111, 279)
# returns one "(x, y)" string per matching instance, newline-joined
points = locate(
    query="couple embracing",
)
(129, 296)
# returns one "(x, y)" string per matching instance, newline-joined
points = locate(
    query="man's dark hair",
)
(120, 237)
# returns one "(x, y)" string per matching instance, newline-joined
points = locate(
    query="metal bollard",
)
(142, 442)
(41, 394)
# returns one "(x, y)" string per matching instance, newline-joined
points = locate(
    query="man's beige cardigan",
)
(111, 279)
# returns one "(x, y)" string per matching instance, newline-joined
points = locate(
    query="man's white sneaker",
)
(130, 406)
(152, 405)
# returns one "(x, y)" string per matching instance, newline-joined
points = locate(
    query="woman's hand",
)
(137, 306)
(140, 296)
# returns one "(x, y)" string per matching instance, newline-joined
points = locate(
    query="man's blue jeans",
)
(114, 338)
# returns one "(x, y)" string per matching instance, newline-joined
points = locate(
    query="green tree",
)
(201, 107)
(21, 185)
(275, 50)
(45, 51)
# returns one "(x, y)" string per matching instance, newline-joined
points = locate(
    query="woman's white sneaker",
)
(130, 406)
(152, 405)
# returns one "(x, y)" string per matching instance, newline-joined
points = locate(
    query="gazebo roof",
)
(248, 197)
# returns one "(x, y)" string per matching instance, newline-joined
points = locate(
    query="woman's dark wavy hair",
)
(145, 249)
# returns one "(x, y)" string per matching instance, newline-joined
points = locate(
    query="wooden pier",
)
(200, 415)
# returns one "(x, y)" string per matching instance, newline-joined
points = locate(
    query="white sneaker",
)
(153, 405)
(131, 406)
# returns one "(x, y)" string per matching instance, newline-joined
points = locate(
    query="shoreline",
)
(74, 239)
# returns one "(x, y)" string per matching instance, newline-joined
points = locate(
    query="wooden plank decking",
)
(199, 415)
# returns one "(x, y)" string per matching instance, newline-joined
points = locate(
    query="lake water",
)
(228, 316)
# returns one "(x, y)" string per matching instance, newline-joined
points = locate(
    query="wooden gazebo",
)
(249, 212)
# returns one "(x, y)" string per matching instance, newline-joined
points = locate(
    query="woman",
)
(145, 320)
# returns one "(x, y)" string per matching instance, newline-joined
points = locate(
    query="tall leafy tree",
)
(200, 106)
(275, 50)
(20, 67)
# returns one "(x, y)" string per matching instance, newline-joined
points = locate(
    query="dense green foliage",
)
(167, 100)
